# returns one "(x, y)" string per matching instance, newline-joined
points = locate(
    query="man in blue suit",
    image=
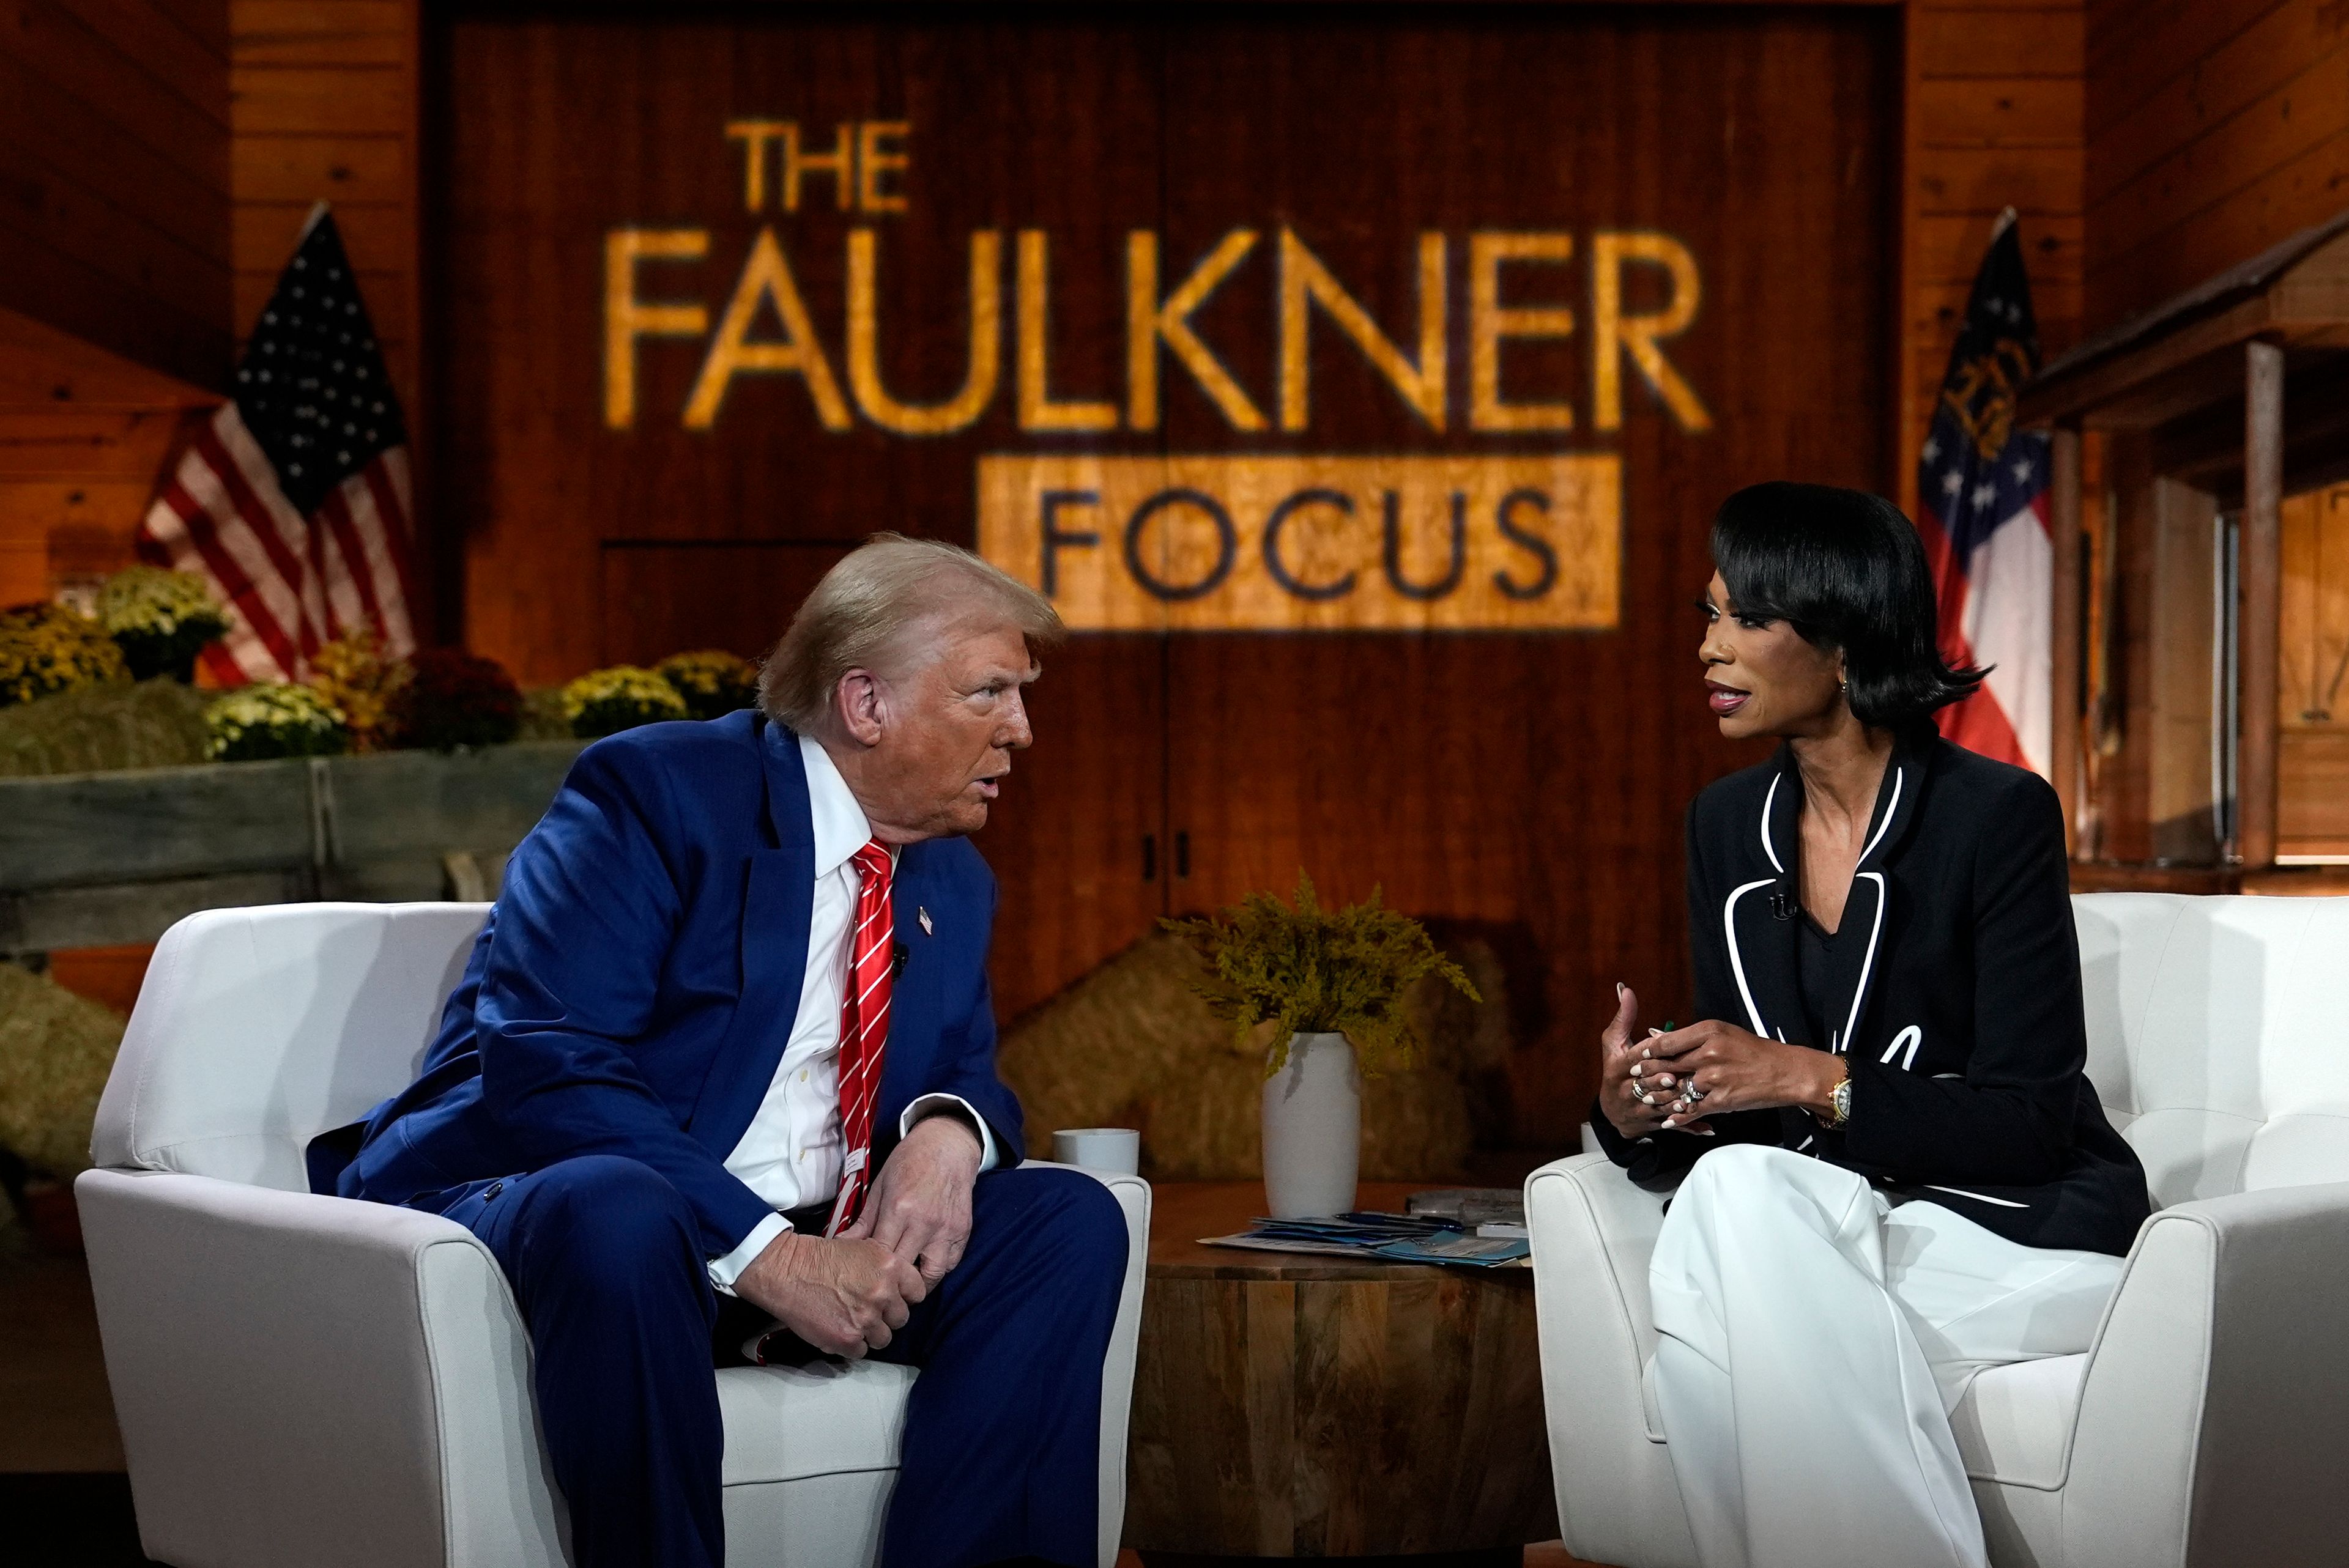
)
(720, 1082)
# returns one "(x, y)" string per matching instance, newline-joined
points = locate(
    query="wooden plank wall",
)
(114, 266)
(2215, 128)
(1995, 119)
(159, 158)
(324, 108)
(114, 176)
(83, 434)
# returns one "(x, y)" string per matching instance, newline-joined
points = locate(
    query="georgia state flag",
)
(1982, 491)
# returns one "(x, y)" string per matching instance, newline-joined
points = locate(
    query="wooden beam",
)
(2064, 708)
(2094, 390)
(43, 919)
(2262, 604)
(2181, 796)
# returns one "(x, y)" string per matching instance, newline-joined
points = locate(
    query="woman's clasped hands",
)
(1655, 1080)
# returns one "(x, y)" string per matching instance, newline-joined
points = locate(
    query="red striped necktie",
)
(863, 1028)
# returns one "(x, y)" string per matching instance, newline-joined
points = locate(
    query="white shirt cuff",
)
(724, 1271)
(988, 1155)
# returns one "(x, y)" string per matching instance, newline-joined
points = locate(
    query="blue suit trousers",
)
(1001, 1453)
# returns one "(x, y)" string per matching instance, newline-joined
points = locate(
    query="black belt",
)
(811, 1220)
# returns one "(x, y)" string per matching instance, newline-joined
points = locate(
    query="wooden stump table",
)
(1287, 1405)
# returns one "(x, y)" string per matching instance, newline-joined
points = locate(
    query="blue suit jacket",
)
(635, 986)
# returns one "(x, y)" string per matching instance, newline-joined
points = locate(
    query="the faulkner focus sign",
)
(1128, 534)
(1269, 327)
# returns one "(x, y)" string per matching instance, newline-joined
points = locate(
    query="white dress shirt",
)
(791, 1153)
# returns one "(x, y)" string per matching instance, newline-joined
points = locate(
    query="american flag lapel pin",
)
(924, 916)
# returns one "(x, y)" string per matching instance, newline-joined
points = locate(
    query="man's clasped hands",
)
(848, 1294)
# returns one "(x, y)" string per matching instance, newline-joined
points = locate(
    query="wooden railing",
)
(98, 858)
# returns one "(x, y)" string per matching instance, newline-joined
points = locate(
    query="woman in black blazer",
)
(1893, 1172)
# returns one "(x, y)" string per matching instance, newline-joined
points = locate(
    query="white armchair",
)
(303, 1379)
(2207, 1426)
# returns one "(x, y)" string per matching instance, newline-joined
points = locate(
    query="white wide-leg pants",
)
(1814, 1338)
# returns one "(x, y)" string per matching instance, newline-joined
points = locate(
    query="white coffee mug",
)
(1098, 1147)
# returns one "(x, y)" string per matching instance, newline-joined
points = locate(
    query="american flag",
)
(292, 501)
(1982, 486)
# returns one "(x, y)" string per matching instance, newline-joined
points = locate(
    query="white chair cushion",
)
(2191, 1152)
(259, 1028)
(2297, 1149)
(2216, 1035)
(2014, 1420)
(787, 1423)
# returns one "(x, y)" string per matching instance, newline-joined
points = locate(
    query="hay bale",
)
(56, 1049)
(154, 724)
(1092, 1055)
(1131, 1046)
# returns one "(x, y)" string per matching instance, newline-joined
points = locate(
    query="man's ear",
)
(860, 705)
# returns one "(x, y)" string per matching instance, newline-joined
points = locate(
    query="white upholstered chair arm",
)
(1133, 1195)
(2218, 1390)
(300, 1378)
(1592, 1233)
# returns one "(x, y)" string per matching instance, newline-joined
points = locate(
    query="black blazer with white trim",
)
(1964, 1029)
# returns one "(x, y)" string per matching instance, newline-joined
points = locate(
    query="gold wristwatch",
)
(1839, 1101)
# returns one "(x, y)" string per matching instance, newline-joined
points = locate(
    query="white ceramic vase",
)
(1313, 1128)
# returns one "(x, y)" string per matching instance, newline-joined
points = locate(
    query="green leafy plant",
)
(275, 718)
(605, 702)
(161, 619)
(713, 682)
(1310, 970)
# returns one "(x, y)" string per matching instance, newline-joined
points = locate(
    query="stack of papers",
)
(1394, 1238)
(1472, 1206)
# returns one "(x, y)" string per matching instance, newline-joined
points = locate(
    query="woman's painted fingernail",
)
(1645, 1053)
(1619, 990)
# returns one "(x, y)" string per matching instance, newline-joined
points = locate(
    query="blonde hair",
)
(869, 600)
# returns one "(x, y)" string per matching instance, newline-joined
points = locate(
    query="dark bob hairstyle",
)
(1845, 569)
